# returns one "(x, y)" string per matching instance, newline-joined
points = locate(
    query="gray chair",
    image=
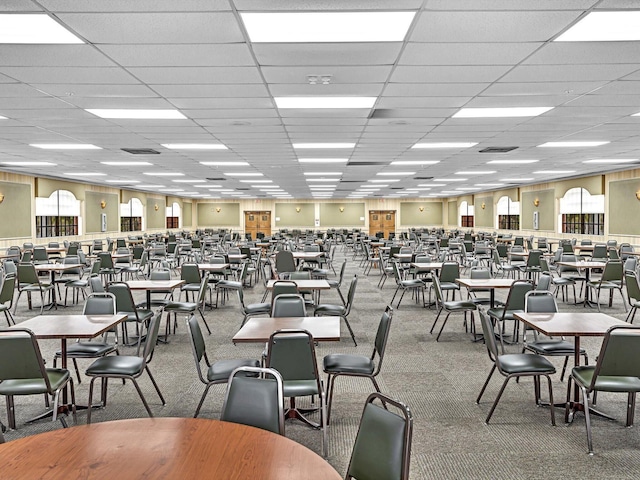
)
(514, 365)
(188, 308)
(341, 311)
(415, 285)
(284, 262)
(6, 297)
(617, 371)
(337, 364)
(217, 372)
(126, 305)
(292, 354)
(252, 309)
(382, 449)
(451, 306)
(191, 275)
(22, 372)
(514, 303)
(255, 401)
(288, 305)
(633, 294)
(28, 281)
(611, 279)
(127, 368)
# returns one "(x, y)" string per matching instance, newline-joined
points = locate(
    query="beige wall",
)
(93, 211)
(331, 216)
(624, 207)
(46, 186)
(431, 214)
(15, 210)
(452, 213)
(187, 214)
(546, 210)
(209, 216)
(290, 216)
(484, 217)
(156, 218)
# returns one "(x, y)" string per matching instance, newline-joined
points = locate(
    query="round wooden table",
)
(171, 448)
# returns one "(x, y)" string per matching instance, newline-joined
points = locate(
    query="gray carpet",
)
(438, 381)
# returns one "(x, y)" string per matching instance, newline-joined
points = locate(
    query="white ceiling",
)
(194, 55)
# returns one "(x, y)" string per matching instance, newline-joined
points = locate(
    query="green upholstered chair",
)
(617, 370)
(108, 269)
(611, 279)
(126, 305)
(188, 308)
(252, 309)
(29, 281)
(191, 275)
(341, 311)
(449, 272)
(126, 367)
(415, 285)
(284, 262)
(292, 354)
(22, 372)
(514, 303)
(6, 297)
(337, 364)
(538, 301)
(255, 401)
(633, 294)
(217, 372)
(451, 306)
(288, 305)
(382, 449)
(514, 365)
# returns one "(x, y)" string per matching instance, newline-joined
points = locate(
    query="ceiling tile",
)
(226, 55)
(317, 54)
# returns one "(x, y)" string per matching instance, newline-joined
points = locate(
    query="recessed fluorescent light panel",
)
(255, 181)
(322, 179)
(34, 28)
(128, 164)
(573, 144)
(436, 145)
(324, 102)
(194, 146)
(123, 113)
(304, 27)
(612, 160)
(500, 112)
(323, 145)
(29, 164)
(323, 160)
(65, 146)
(604, 27)
(511, 162)
(322, 173)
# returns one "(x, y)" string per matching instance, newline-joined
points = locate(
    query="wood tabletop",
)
(259, 329)
(70, 326)
(57, 267)
(580, 264)
(427, 266)
(485, 282)
(213, 267)
(307, 255)
(154, 284)
(304, 284)
(576, 324)
(162, 448)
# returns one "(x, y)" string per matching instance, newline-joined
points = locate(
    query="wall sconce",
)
(536, 202)
(421, 209)
(298, 209)
(483, 205)
(218, 209)
(103, 204)
(156, 207)
(1, 197)
(341, 209)
(637, 196)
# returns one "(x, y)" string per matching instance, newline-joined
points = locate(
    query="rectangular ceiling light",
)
(325, 102)
(127, 164)
(415, 162)
(511, 162)
(572, 144)
(437, 145)
(322, 173)
(475, 172)
(3, 118)
(500, 112)
(304, 27)
(125, 113)
(29, 164)
(34, 28)
(395, 174)
(323, 145)
(385, 180)
(323, 160)
(164, 174)
(243, 174)
(194, 146)
(604, 27)
(322, 179)
(208, 185)
(65, 146)
(612, 160)
(171, 190)
(225, 164)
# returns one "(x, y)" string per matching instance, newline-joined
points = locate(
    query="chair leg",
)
(205, 321)
(564, 367)
(486, 382)
(329, 395)
(587, 419)
(495, 402)
(153, 380)
(353, 337)
(204, 395)
(442, 327)
(90, 400)
(144, 400)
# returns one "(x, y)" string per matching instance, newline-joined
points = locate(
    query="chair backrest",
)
(342, 270)
(613, 271)
(567, 268)
(285, 261)
(100, 304)
(479, 272)
(613, 253)
(124, 299)
(152, 337)
(630, 264)
(534, 258)
(351, 294)
(382, 336)
(106, 260)
(255, 401)
(438, 289)
(283, 286)
(160, 274)
(27, 274)
(449, 272)
(20, 356)
(633, 286)
(198, 347)
(489, 336)
(190, 273)
(620, 354)
(544, 282)
(539, 301)
(544, 265)
(288, 305)
(292, 354)
(302, 275)
(599, 251)
(382, 448)
(8, 289)
(96, 284)
(517, 292)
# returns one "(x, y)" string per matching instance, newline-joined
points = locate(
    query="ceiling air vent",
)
(239, 188)
(497, 149)
(216, 179)
(352, 181)
(397, 188)
(423, 178)
(140, 151)
(365, 164)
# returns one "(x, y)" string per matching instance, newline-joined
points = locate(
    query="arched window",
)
(508, 214)
(131, 216)
(58, 215)
(465, 214)
(174, 213)
(581, 212)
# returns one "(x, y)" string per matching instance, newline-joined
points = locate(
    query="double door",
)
(258, 221)
(382, 221)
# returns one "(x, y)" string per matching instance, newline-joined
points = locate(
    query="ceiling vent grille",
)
(423, 178)
(216, 179)
(365, 164)
(497, 149)
(140, 151)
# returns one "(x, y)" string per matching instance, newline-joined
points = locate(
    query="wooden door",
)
(257, 222)
(382, 221)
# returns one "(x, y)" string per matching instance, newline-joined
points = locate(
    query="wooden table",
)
(587, 267)
(162, 448)
(153, 285)
(259, 329)
(486, 284)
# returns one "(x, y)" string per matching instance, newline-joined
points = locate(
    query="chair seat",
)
(499, 313)
(30, 386)
(458, 306)
(584, 375)
(222, 369)
(333, 283)
(180, 306)
(229, 284)
(254, 308)
(604, 284)
(563, 281)
(449, 286)
(519, 363)
(116, 365)
(300, 388)
(412, 283)
(88, 349)
(343, 363)
(143, 315)
(553, 347)
(190, 288)
(76, 283)
(329, 309)
(36, 288)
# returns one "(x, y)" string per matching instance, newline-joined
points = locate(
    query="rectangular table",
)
(53, 268)
(486, 284)
(153, 285)
(259, 329)
(315, 285)
(587, 267)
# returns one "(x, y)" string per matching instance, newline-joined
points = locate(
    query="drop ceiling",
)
(195, 56)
